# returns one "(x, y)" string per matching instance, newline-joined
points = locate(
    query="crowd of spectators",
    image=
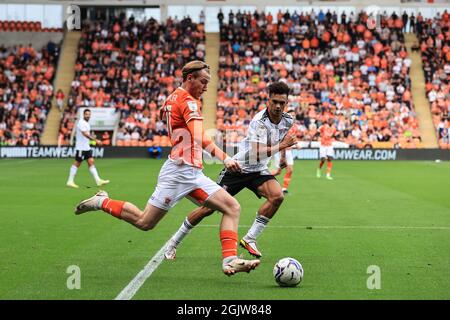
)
(132, 66)
(26, 92)
(353, 69)
(434, 38)
(348, 68)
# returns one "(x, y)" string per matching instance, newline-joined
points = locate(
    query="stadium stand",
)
(26, 26)
(26, 77)
(132, 67)
(434, 38)
(344, 70)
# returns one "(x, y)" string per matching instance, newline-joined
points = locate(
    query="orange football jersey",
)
(180, 108)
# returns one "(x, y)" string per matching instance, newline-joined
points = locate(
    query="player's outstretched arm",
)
(283, 162)
(264, 151)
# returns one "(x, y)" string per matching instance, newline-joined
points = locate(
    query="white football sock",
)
(257, 228)
(73, 172)
(94, 173)
(183, 231)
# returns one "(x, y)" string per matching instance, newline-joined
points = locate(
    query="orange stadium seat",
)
(156, 140)
(12, 26)
(382, 145)
(165, 142)
(144, 115)
(149, 143)
(435, 56)
(318, 98)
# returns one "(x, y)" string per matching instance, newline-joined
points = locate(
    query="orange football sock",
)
(329, 166)
(229, 240)
(113, 207)
(287, 179)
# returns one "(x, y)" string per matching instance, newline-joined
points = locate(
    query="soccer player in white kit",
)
(83, 151)
(182, 175)
(267, 134)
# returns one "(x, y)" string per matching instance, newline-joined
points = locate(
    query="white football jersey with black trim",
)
(261, 130)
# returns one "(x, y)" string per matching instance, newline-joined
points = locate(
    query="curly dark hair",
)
(278, 88)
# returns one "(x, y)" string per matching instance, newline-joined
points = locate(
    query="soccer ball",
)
(288, 272)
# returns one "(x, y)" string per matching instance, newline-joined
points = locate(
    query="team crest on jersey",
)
(167, 200)
(192, 105)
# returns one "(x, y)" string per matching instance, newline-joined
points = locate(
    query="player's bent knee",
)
(234, 208)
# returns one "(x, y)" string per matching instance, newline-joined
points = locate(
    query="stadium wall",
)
(301, 154)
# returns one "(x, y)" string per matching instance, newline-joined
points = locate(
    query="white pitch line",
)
(339, 227)
(130, 290)
(20, 162)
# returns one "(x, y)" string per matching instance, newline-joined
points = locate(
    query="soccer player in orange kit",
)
(267, 135)
(326, 151)
(181, 175)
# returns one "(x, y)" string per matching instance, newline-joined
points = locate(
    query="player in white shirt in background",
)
(83, 151)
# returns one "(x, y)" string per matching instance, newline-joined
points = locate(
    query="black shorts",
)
(81, 155)
(233, 182)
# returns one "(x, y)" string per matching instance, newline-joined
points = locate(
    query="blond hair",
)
(193, 67)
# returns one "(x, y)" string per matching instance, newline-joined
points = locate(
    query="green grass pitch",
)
(395, 215)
